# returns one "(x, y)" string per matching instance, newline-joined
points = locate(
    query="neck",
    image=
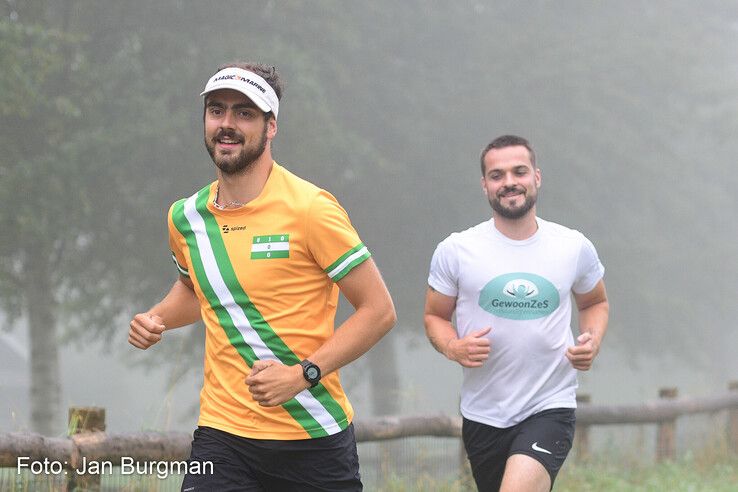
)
(517, 229)
(243, 187)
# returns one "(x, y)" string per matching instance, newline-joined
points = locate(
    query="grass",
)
(709, 469)
(10, 481)
(703, 472)
(688, 474)
(713, 469)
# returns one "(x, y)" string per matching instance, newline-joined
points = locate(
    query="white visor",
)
(248, 83)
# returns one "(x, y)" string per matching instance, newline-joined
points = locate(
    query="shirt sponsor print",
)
(519, 296)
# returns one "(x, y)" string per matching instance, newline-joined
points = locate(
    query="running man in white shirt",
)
(510, 281)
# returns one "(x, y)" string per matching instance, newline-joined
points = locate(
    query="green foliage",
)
(688, 474)
(709, 473)
(79, 128)
(424, 483)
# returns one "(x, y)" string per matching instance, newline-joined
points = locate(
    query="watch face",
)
(312, 372)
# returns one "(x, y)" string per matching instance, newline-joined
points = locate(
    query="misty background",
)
(632, 108)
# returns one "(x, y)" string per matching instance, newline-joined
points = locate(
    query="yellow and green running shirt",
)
(265, 276)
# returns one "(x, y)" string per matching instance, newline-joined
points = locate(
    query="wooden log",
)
(666, 432)
(84, 423)
(581, 434)
(35, 447)
(733, 419)
(654, 412)
(143, 446)
(395, 427)
(176, 446)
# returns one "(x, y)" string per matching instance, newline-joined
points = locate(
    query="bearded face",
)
(230, 152)
(513, 202)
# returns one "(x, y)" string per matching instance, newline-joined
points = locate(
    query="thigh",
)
(487, 448)
(323, 464)
(547, 438)
(230, 472)
(525, 473)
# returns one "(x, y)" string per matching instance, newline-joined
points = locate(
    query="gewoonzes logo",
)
(519, 296)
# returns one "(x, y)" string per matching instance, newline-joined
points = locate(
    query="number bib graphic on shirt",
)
(272, 246)
(519, 296)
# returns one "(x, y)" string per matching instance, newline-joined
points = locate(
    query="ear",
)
(538, 177)
(484, 185)
(271, 128)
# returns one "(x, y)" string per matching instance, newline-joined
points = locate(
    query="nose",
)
(508, 179)
(227, 120)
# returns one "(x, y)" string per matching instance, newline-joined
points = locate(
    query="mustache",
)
(228, 133)
(510, 189)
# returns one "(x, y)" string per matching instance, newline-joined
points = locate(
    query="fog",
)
(632, 108)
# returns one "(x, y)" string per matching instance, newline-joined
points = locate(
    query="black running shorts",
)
(256, 465)
(546, 437)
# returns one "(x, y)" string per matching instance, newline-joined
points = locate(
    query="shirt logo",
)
(270, 247)
(519, 296)
(226, 228)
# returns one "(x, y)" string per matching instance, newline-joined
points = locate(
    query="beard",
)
(514, 212)
(238, 163)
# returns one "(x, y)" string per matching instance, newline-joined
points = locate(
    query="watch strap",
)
(311, 372)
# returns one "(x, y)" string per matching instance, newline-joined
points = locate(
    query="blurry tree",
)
(81, 121)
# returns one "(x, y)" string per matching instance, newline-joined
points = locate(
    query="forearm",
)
(180, 307)
(440, 332)
(362, 330)
(272, 383)
(593, 320)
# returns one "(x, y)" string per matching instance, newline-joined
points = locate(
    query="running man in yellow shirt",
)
(261, 256)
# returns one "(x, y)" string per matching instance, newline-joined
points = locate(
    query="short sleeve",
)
(444, 269)
(331, 239)
(589, 268)
(176, 243)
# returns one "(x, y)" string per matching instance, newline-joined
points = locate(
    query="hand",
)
(470, 351)
(271, 383)
(145, 330)
(583, 354)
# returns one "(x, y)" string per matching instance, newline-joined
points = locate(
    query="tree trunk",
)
(385, 395)
(385, 377)
(43, 339)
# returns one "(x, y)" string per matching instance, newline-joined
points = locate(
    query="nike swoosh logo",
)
(536, 447)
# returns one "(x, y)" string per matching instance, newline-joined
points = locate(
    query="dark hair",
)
(508, 141)
(267, 72)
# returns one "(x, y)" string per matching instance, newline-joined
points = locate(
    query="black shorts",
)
(240, 464)
(545, 436)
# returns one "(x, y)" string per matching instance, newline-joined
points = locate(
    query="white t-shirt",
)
(522, 289)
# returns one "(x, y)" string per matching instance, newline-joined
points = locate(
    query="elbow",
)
(426, 325)
(388, 317)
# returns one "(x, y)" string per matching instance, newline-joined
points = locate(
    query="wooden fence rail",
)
(91, 442)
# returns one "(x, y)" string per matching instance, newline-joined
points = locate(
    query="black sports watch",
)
(310, 372)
